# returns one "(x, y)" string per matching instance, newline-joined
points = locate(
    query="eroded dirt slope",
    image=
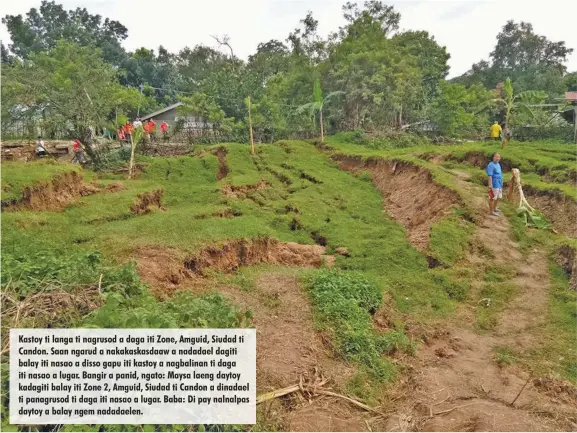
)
(55, 194)
(410, 195)
(456, 385)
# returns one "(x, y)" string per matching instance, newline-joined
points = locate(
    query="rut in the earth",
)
(456, 385)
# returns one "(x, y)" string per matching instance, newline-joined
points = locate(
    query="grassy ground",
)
(308, 198)
(544, 165)
(17, 176)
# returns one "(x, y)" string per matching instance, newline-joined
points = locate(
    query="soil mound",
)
(144, 202)
(114, 187)
(410, 194)
(53, 195)
(243, 252)
(167, 269)
(242, 191)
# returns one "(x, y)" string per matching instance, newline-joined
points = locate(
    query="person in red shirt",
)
(152, 129)
(164, 130)
(78, 153)
(128, 130)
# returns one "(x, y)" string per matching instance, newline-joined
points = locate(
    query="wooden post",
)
(131, 164)
(250, 129)
(322, 130)
(575, 123)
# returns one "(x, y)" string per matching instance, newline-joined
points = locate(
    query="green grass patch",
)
(343, 305)
(450, 239)
(493, 298)
(505, 356)
(18, 175)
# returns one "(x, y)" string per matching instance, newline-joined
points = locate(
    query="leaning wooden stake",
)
(250, 128)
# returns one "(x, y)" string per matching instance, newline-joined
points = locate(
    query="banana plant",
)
(531, 216)
(318, 104)
(135, 138)
(515, 102)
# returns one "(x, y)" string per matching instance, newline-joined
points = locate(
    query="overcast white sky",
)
(467, 28)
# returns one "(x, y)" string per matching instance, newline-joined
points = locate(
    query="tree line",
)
(68, 71)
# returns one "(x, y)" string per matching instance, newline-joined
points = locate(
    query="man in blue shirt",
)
(495, 175)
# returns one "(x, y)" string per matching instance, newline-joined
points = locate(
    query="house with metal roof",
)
(170, 115)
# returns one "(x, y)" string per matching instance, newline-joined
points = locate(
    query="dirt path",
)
(456, 385)
(288, 347)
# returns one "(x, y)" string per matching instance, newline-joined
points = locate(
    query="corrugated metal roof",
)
(164, 110)
(571, 96)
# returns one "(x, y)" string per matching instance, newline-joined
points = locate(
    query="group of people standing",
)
(127, 130)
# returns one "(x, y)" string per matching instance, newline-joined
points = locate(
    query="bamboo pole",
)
(250, 129)
(322, 130)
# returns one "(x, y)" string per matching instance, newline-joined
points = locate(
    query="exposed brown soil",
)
(114, 187)
(222, 164)
(243, 252)
(410, 195)
(146, 200)
(243, 190)
(566, 257)
(456, 385)
(53, 195)
(287, 348)
(556, 206)
(167, 269)
(162, 268)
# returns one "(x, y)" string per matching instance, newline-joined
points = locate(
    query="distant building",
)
(170, 116)
(571, 97)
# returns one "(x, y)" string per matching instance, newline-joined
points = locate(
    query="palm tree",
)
(515, 102)
(318, 104)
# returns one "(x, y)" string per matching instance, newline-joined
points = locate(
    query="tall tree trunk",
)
(322, 130)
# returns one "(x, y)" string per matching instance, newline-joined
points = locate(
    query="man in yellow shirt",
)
(495, 131)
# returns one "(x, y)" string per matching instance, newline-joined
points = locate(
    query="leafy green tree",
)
(513, 103)
(531, 61)
(158, 75)
(570, 82)
(270, 58)
(430, 57)
(458, 110)
(44, 27)
(73, 87)
(317, 105)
